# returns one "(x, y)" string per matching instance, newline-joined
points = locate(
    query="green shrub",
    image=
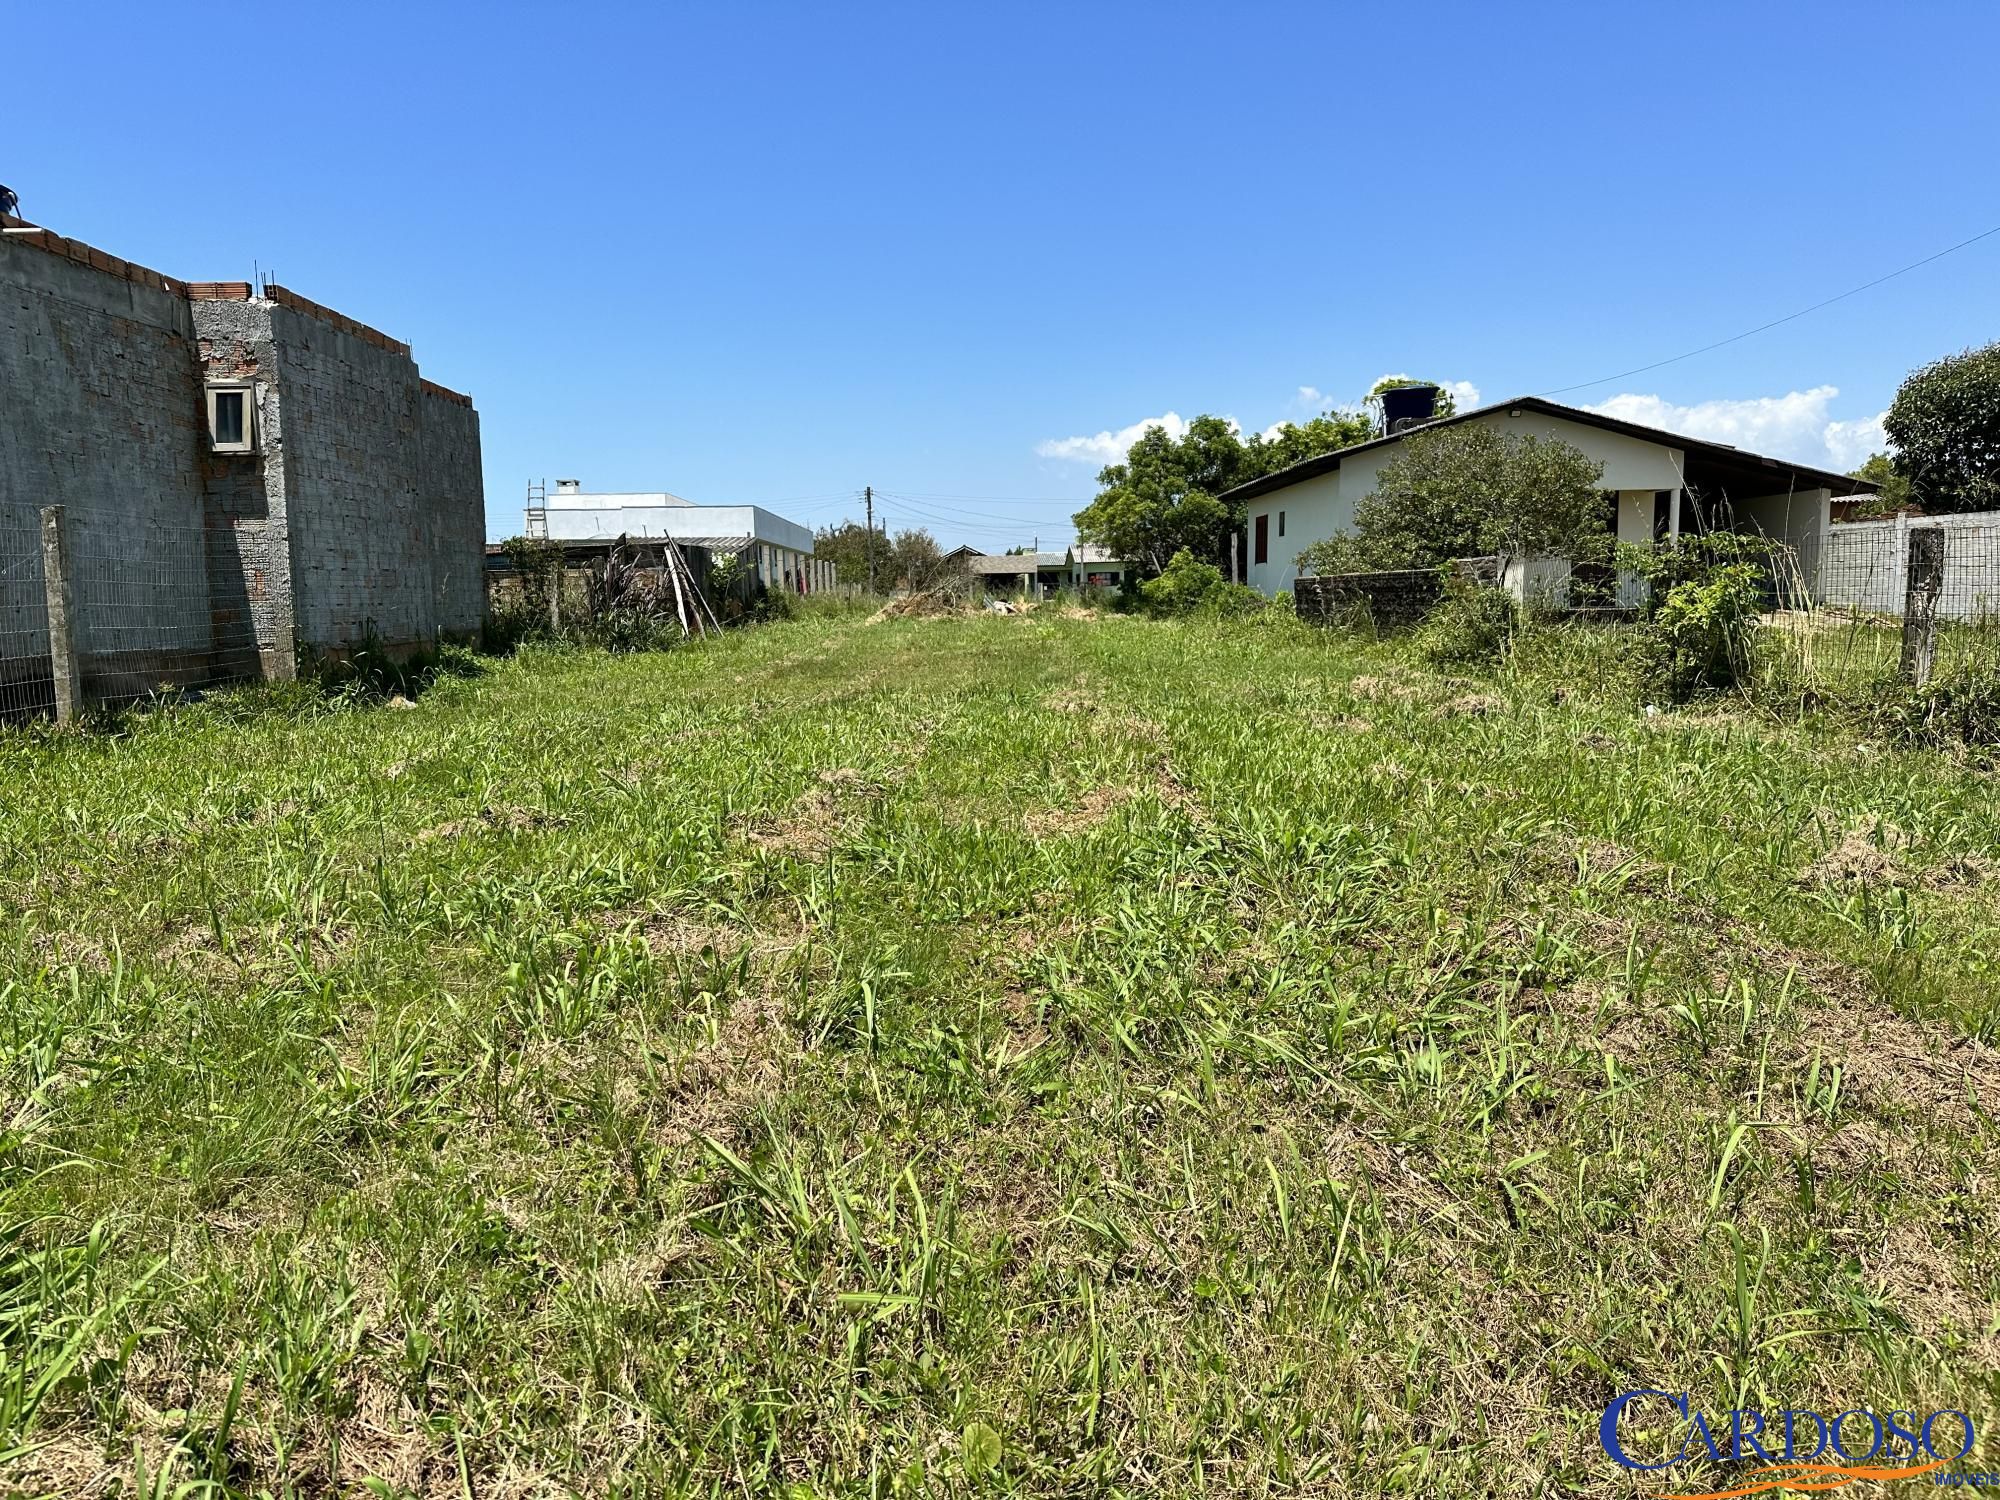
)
(1704, 596)
(1188, 587)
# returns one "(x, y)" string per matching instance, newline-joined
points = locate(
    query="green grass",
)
(1029, 1055)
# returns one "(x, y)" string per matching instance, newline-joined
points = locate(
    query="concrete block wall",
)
(100, 411)
(452, 489)
(1394, 598)
(361, 546)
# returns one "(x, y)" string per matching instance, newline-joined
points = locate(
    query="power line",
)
(958, 519)
(1024, 499)
(1787, 318)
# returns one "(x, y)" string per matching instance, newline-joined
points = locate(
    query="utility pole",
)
(869, 491)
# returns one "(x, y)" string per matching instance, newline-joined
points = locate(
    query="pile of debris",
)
(954, 595)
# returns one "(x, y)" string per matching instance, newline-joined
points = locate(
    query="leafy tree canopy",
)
(846, 545)
(911, 559)
(1165, 497)
(1892, 490)
(1473, 491)
(1945, 424)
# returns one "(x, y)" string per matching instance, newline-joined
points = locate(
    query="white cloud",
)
(1109, 447)
(1849, 444)
(1797, 425)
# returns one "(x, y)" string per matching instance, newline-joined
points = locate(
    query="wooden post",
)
(56, 577)
(555, 594)
(1920, 602)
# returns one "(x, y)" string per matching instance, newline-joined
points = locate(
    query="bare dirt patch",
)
(1868, 854)
(1092, 808)
(680, 934)
(1076, 700)
(1473, 706)
(809, 828)
(1962, 872)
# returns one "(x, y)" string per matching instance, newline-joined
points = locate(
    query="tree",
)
(846, 546)
(915, 559)
(1472, 491)
(1295, 442)
(1165, 497)
(1945, 425)
(1892, 490)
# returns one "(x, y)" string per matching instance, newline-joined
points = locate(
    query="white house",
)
(781, 550)
(1657, 484)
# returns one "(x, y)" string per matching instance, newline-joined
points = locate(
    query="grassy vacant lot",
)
(1039, 1056)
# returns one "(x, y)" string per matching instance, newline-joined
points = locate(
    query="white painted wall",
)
(602, 523)
(1322, 507)
(1800, 520)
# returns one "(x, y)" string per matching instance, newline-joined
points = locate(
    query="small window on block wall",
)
(232, 417)
(1281, 523)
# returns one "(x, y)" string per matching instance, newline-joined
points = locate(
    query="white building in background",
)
(1656, 484)
(781, 550)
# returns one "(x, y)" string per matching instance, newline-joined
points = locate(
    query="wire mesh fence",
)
(27, 687)
(142, 597)
(1865, 586)
(1864, 566)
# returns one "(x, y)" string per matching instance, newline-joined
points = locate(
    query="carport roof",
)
(1729, 468)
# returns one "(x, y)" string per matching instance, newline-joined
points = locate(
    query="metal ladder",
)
(538, 508)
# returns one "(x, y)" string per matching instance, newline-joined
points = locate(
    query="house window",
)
(1262, 550)
(232, 418)
(1281, 523)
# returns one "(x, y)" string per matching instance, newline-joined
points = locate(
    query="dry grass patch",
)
(504, 819)
(1080, 816)
(812, 825)
(1868, 854)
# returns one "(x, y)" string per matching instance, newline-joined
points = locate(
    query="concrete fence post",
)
(56, 576)
(1920, 602)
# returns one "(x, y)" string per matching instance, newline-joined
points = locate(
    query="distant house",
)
(1657, 484)
(1098, 567)
(1043, 573)
(781, 551)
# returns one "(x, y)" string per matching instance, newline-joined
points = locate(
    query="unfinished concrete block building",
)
(243, 474)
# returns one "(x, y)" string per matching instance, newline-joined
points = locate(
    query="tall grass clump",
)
(1471, 628)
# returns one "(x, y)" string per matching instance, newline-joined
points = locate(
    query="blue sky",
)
(769, 254)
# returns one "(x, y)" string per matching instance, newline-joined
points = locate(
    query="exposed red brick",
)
(85, 255)
(444, 393)
(218, 291)
(285, 297)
